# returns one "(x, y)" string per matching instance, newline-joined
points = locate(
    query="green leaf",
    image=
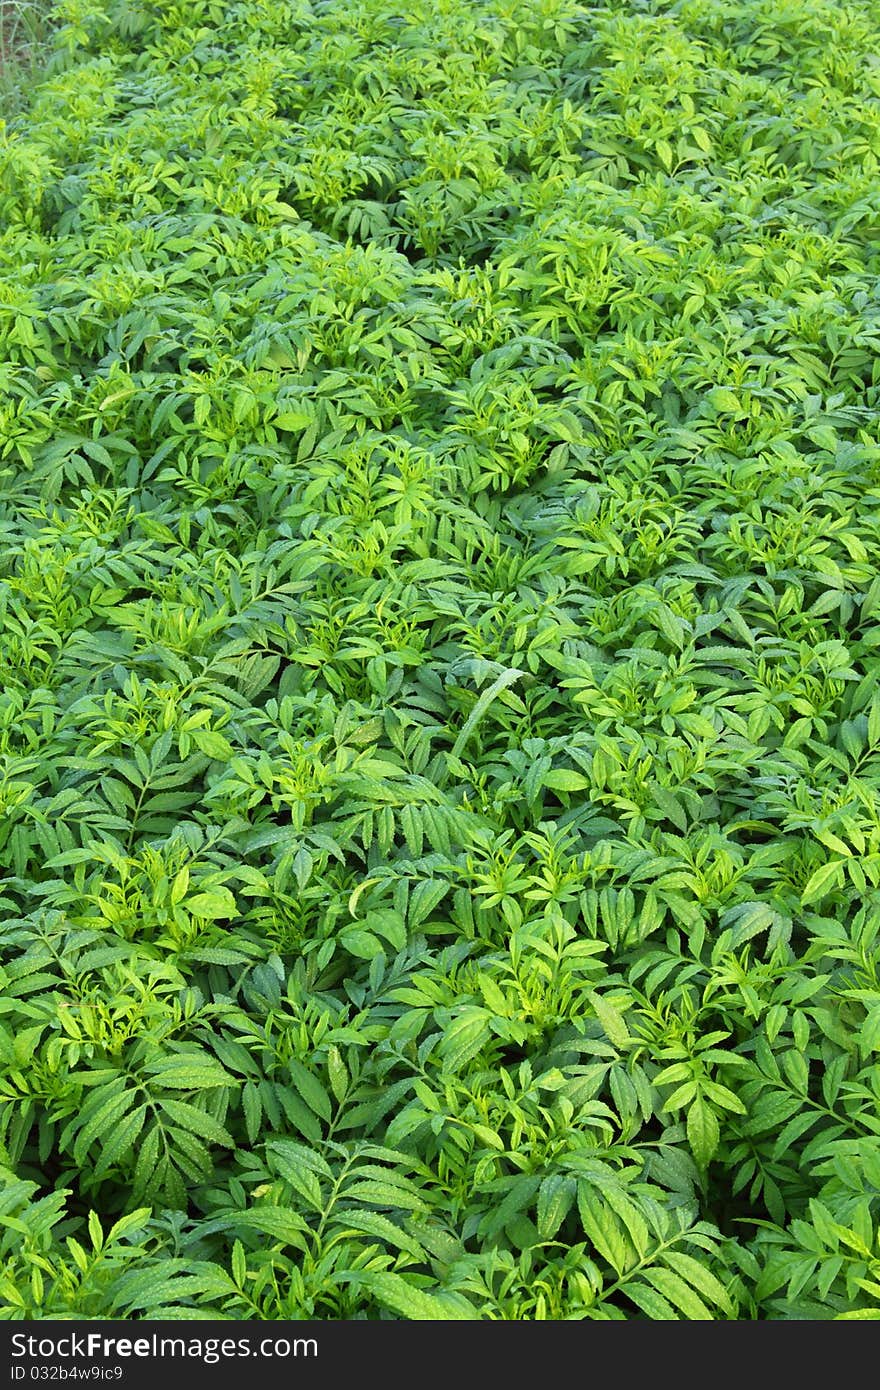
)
(556, 1196)
(280, 1223)
(463, 1037)
(311, 1089)
(409, 1301)
(215, 904)
(198, 1122)
(650, 1301)
(561, 779)
(827, 877)
(186, 1073)
(679, 1294)
(292, 420)
(702, 1279)
(384, 1194)
(373, 1223)
(212, 744)
(506, 679)
(358, 942)
(611, 1020)
(702, 1131)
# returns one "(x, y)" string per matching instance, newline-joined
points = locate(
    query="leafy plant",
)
(439, 735)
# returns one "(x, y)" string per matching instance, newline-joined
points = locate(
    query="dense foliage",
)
(440, 602)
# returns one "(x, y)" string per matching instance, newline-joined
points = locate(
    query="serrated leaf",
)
(375, 1224)
(311, 1089)
(822, 881)
(409, 1301)
(612, 1021)
(702, 1131)
(198, 1122)
(556, 1197)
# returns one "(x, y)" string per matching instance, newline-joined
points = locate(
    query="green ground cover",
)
(439, 622)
